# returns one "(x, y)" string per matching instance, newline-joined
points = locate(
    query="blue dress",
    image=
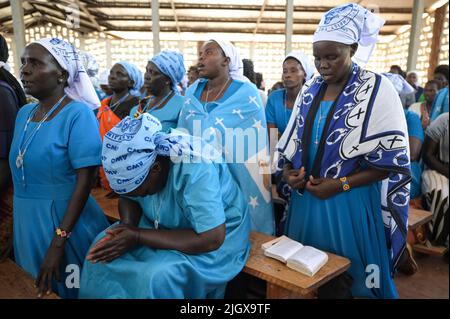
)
(276, 111)
(348, 224)
(415, 130)
(440, 104)
(67, 142)
(168, 115)
(197, 196)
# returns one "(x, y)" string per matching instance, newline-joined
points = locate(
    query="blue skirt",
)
(349, 224)
(35, 221)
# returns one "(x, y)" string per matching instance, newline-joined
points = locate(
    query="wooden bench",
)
(283, 282)
(417, 218)
(17, 284)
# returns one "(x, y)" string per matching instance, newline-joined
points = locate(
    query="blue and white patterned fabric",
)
(135, 75)
(236, 125)
(171, 64)
(79, 86)
(350, 23)
(400, 84)
(130, 149)
(365, 127)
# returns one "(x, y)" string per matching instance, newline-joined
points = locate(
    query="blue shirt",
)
(276, 111)
(440, 104)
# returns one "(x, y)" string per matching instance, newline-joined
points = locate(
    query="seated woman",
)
(162, 74)
(184, 230)
(423, 109)
(125, 80)
(435, 178)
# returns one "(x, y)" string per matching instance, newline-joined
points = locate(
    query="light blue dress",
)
(415, 130)
(236, 125)
(348, 224)
(440, 104)
(168, 115)
(67, 142)
(276, 111)
(197, 196)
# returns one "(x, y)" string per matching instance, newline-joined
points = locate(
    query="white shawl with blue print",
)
(237, 127)
(367, 125)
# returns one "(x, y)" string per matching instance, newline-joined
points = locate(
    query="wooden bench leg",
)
(276, 292)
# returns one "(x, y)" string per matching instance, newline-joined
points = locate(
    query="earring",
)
(60, 80)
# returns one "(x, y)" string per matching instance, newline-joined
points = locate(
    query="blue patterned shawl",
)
(365, 125)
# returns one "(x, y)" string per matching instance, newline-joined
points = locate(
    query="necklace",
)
(157, 210)
(23, 146)
(146, 107)
(115, 106)
(220, 92)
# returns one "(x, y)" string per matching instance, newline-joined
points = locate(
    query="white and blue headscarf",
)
(130, 149)
(171, 64)
(79, 86)
(350, 23)
(306, 63)
(135, 75)
(400, 84)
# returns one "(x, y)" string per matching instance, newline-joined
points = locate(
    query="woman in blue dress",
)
(225, 109)
(54, 157)
(297, 69)
(345, 156)
(184, 230)
(162, 75)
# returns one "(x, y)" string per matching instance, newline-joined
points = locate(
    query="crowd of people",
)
(351, 151)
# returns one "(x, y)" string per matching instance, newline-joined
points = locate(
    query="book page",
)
(308, 260)
(283, 249)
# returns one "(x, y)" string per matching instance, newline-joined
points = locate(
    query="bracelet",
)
(344, 183)
(62, 233)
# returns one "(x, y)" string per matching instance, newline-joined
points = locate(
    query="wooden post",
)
(155, 27)
(289, 25)
(438, 28)
(414, 36)
(19, 32)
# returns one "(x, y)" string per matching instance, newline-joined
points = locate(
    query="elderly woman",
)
(125, 80)
(184, 230)
(345, 155)
(297, 69)
(226, 109)
(54, 158)
(162, 75)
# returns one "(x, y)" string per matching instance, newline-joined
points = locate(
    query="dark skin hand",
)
(325, 188)
(127, 235)
(44, 79)
(430, 151)
(415, 147)
(54, 256)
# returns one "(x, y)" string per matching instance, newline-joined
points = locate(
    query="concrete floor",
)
(429, 282)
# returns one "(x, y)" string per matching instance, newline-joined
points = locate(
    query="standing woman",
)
(162, 75)
(54, 157)
(223, 104)
(345, 153)
(125, 80)
(297, 69)
(12, 98)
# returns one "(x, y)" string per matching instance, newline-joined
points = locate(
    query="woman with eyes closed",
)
(54, 157)
(345, 156)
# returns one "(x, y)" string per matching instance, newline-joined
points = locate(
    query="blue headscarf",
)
(130, 149)
(171, 64)
(135, 75)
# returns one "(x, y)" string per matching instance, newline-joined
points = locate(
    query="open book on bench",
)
(305, 259)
